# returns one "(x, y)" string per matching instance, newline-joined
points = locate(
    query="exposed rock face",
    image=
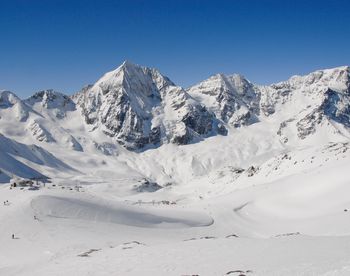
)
(307, 125)
(8, 99)
(251, 171)
(40, 133)
(316, 99)
(314, 88)
(199, 120)
(308, 101)
(106, 148)
(336, 106)
(49, 99)
(146, 185)
(139, 106)
(222, 130)
(231, 98)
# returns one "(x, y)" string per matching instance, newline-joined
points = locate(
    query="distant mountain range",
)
(137, 108)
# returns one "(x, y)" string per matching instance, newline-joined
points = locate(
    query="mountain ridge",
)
(138, 106)
(137, 110)
(240, 102)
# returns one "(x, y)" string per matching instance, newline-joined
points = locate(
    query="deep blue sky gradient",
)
(65, 45)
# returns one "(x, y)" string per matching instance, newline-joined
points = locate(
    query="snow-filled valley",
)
(134, 175)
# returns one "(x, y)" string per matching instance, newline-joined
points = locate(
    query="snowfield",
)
(78, 209)
(146, 178)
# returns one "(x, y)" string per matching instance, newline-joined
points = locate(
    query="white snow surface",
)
(269, 198)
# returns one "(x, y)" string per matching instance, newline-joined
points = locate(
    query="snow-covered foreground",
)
(286, 224)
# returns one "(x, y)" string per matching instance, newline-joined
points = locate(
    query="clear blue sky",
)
(66, 44)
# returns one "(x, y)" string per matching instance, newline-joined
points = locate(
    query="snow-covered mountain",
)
(138, 108)
(233, 99)
(58, 103)
(221, 178)
(306, 101)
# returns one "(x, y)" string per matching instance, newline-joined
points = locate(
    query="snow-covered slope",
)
(223, 178)
(20, 160)
(13, 107)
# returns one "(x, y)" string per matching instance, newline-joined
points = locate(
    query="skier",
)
(13, 236)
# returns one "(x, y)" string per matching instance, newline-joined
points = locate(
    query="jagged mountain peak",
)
(128, 63)
(47, 95)
(229, 77)
(130, 67)
(126, 66)
(337, 78)
(231, 97)
(216, 85)
(13, 106)
(52, 99)
(133, 76)
(138, 105)
(8, 98)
